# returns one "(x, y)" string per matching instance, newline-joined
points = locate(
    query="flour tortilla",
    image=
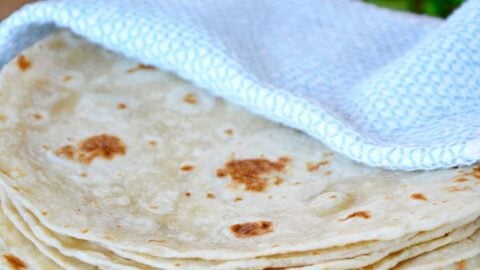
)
(467, 264)
(433, 246)
(86, 252)
(162, 194)
(81, 251)
(17, 250)
(449, 256)
(358, 254)
(340, 257)
(23, 238)
(390, 261)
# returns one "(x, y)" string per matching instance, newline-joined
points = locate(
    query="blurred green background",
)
(439, 8)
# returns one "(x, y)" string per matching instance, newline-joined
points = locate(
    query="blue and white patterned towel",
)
(384, 88)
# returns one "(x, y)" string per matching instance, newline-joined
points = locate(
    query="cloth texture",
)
(385, 88)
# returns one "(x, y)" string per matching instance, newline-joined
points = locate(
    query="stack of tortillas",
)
(108, 163)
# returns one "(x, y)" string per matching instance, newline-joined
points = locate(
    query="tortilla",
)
(463, 255)
(132, 160)
(23, 240)
(467, 264)
(84, 252)
(433, 246)
(16, 251)
(388, 262)
(361, 254)
(88, 252)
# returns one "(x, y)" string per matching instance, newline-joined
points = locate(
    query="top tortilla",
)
(104, 149)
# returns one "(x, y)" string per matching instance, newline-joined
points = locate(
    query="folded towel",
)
(384, 88)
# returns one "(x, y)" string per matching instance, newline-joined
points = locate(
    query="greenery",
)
(440, 8)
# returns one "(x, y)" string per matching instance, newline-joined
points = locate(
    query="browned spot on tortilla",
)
(108, 237)
(37, 116)
(153, 143)
(327, 173)
(17, 189)
(153, 207)
(458, 189)
(190, 98)
(229, 131)
(3, 117)
(178, 265)
(66, 151)
(67, 78)
(418, 196)
(251, 173)
(105, 146)
(44, 213)
(221, 173)
(210, 195)
(460, 180)
(278, 181)
(315, 166)
(84, 174)
(188, 194)
(461, 265)
(146, 67)
(327, 154)
(121, 106)
(358, 214)
(141, 67)
(155, 241)
(333, 196)
(23, 63)
(251, 229)
(15, 262)
(238, 199)
(85, 231)
(187, 168)
(476, 171)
